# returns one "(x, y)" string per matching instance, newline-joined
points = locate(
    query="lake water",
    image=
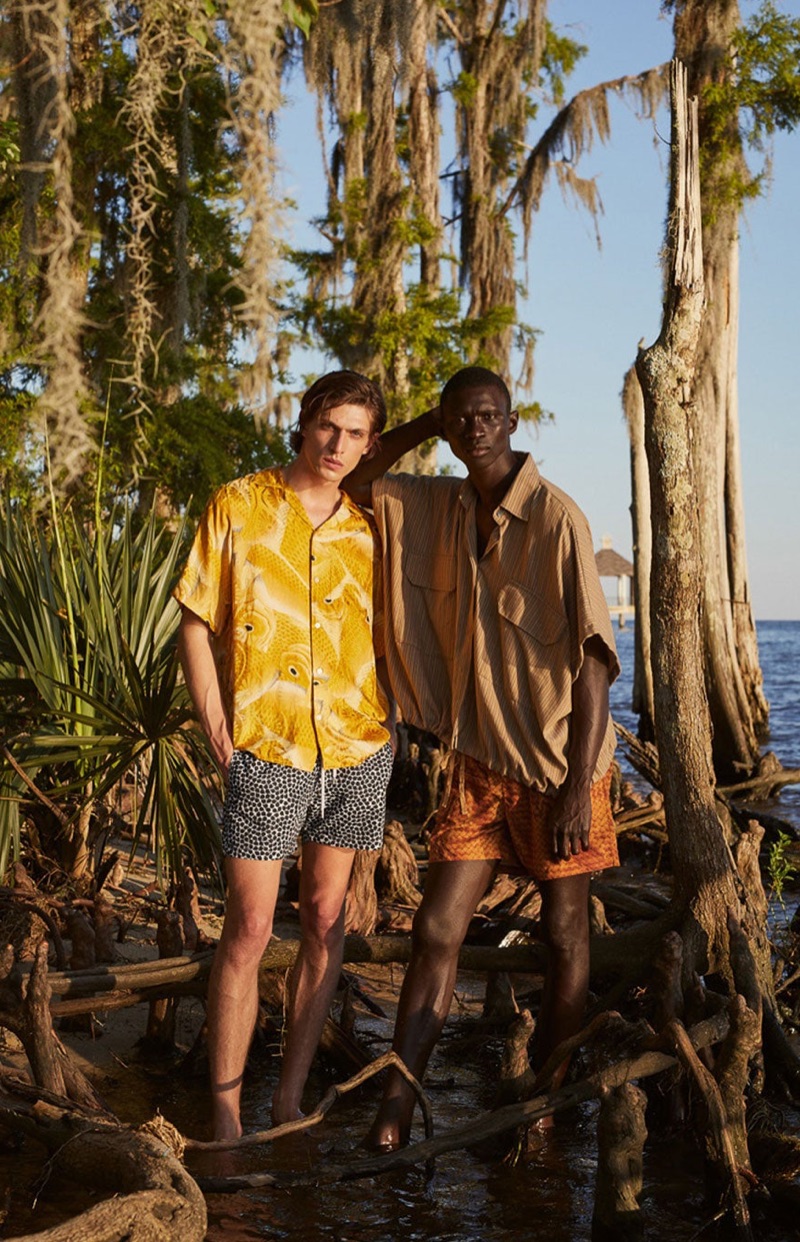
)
(779, 651)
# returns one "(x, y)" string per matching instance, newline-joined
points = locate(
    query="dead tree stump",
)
(361, 913)
(499, 1003)
(106, 924)
(160, 1034)
(186, 901)
(28, 1016)
(740, 1045)
(397, 873)
(81, 932)
(516, 1076)
(621, 1135)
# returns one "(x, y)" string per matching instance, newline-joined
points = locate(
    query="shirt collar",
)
(346, 512)
(518, 497)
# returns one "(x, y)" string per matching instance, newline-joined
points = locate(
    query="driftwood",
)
(81, 935)
(769, 779)
(259, 1138)
(24, 897)
(516, 1076)
(397, 872)
(627, 953)
(28, 1015)
(739, 1047)
(153, 1198)
(186, 901)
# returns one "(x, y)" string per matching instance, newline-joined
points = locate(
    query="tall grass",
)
(91, 692)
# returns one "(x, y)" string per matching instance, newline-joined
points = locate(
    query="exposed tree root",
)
(621, 1135)
(153, 1198)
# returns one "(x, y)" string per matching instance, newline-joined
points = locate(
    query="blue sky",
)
(593, 306)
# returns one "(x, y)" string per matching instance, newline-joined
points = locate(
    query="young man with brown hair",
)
(276, 643)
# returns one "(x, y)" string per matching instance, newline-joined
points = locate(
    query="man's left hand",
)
(570, 821)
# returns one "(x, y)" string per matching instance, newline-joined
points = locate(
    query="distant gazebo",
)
(611, 565)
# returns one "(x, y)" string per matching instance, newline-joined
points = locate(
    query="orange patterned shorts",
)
(486, 815)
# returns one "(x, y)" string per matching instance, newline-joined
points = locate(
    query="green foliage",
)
(189, 400)
(780, 867)
(9, 144)
(561, 55)
(302, 13)
(431, 334)
(767, 73)
(465, 89)
(90, 689)
(757, 94)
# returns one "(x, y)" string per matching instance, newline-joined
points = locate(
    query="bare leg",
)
(452, 891)
(323, 888)
(233, 985)
(565, 930)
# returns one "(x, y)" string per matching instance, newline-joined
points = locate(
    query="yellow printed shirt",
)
(291, 608)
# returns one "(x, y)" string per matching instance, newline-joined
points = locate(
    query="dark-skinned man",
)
(500, 643)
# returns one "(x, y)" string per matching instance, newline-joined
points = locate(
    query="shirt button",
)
(316, 625)
(320, 671)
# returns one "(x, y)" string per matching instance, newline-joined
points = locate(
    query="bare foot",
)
(282, 1116)
(226, 1127)
(387, 1132)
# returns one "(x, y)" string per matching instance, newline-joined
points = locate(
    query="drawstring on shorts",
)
(332, 776)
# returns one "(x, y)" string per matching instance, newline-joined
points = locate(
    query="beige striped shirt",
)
(483, 651)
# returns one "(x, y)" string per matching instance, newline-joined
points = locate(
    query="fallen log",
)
(628, 950)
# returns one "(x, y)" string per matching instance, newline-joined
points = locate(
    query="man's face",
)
(335, 441)
(477, 425)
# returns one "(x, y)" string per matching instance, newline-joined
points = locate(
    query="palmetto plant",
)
(91, 692)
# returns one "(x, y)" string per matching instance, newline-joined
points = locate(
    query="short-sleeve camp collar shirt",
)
(292, 609)
(483, 651)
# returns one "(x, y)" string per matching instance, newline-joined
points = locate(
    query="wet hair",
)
(475, 377)
(335, 389)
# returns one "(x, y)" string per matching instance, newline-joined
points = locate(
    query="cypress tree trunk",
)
(708, 887)
(703, 31)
